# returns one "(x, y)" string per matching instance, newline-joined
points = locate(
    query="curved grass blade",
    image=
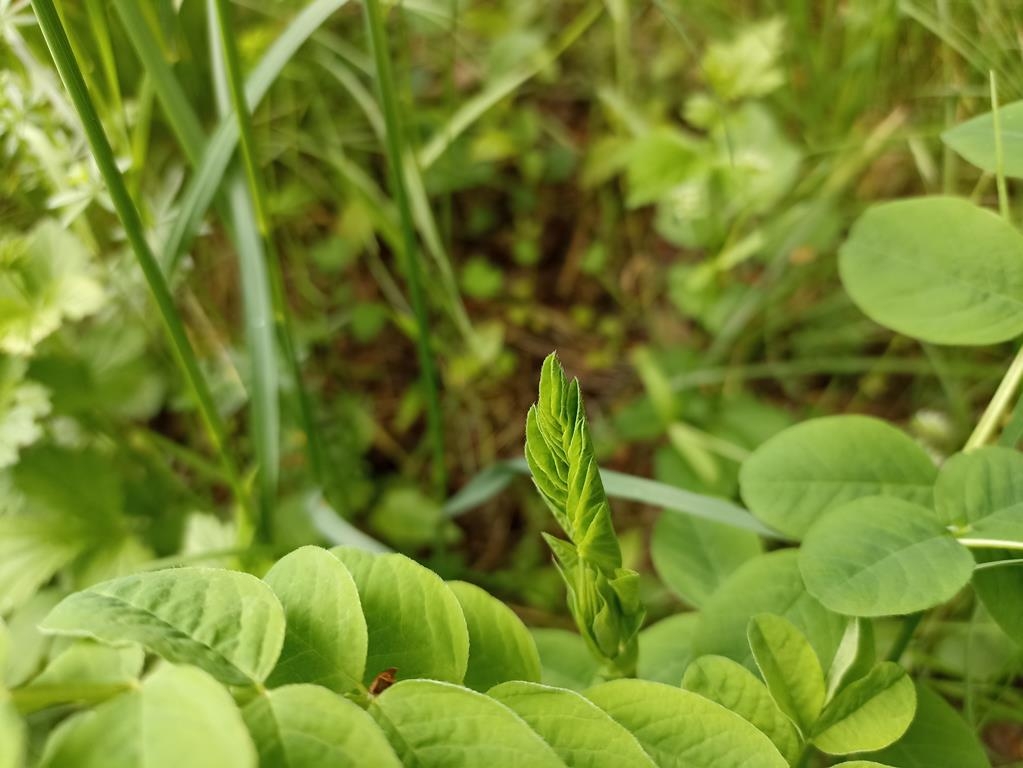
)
(619, 485)
(70, 73)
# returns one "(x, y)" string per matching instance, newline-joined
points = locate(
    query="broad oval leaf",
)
(694, 556)
(665, 648)
(432, 724)
(937, 736)
(415, 625)
(975, 140)
(326, 637)
(855, 656)
(789, 666)
(770, 583)
(680, 729)
(307, 726)
(1000, 589)
(938, 269)
(179, 717)
(879, 556)
(802, 472)
(736, 688)
(868, 714)
(12, 736)
(230, 624)
(581, 733)
(500, 646)
(973, 486)
(84, 672)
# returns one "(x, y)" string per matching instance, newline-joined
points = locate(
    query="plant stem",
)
(909, 625)
(999, 404)
(1003, 192)
(395, 142)
(70, 72)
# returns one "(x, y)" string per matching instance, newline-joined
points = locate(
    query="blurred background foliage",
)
(655, 189)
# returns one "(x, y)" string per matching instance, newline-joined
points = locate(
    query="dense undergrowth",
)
(276, 280)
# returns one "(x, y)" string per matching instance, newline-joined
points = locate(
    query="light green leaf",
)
(972, 486)
(432, 724)
(981, 494)
(693, 556)
(660, 161)
(565, 660)
(179, 717)
(84, 672)
(789, 666)
(737, 689)
(414, 622)
(746, 66)
(869, 714)
(582, 734)
(805, 470)
(680, 729)
(665, 648)
(23, 404)
(45, 278)
(769, 583)
(937, 736)
(226, 622)
(307, 726)
(29, 648)
(938, 269)
(879, 556)
(975, 140)
(855, 656)
(30, 554)
(12, 736)
(864, 764)
(326, 637)
(500, 646)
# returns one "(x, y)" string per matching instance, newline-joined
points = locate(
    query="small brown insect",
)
(383, 681)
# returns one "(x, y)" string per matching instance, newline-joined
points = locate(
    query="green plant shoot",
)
(603, 597)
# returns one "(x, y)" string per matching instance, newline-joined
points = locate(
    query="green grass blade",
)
(618, 485)
(203, 186)
(70, 73)
(395, 146)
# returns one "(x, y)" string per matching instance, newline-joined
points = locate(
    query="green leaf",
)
(46, 278)
(802, 472)
(180, 716)
(565, 660)
(84, 672)
(432, 724)
(23, 404)
(737, 689)
(326, 637)
(790, 668)
(680, 729)
(414, 621)
(868, 714)
(693, 556)
(30, 554)
(975, 485)
(975, 140)
(980, 493)
(660, 161)
(307, 726)
(12, 737)
(879, 556)
(938, 269)
(500, 646)
(746, 66)
(855, 656)
(665, 648)
(769, 583)
(228, 623)
(937, 736)
(580, 732)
